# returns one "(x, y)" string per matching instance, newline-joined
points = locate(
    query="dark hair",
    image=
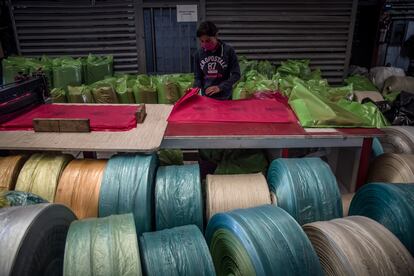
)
(207, 28)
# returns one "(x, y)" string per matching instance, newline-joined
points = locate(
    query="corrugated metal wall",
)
(278, 30)
(77, 28)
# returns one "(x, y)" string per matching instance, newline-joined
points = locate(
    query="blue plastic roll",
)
(127, 187)
(392, 205)
(263, 240)
(377, 148)
(175, 252)
(305, 188)
(178, 198)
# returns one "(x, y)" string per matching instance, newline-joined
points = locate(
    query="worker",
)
(216, 66)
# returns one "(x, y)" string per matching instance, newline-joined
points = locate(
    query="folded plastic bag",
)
(79, 94)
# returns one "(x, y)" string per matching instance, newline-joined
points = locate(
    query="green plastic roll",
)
(127, 187)
(175, 252)
(306, 188)
(263, 240)
(392, 205)
(40, 174)
(178, 198)
(102, 246)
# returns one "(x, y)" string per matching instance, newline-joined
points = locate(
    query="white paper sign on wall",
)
(187, 13)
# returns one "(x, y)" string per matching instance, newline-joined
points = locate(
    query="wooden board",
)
(146, 137)
(61, 125)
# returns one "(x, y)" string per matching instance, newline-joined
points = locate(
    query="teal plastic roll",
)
(127, 187)
(377, 148)
(392, 205)
(306, 188)
(175, 252)
(102, 246)
(178, 198)
(263, 240)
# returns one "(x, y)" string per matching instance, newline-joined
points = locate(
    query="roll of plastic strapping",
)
(10, 167)
(40, 174)
(263, 240)
(392, 168)
(346, 202)
(392, 205)
(79, 187)
(102, 246)
(398, 139)
(229, 192)
(32, 239)
(127, 187)
(178, 197)
(306, 188)
(358, 246)
(177, 251)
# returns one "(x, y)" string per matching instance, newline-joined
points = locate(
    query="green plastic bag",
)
(66, 71)
(255, 82)
(123, 91)
(185, 81)
(12, 66)
(246, 66)
(58, 95)
(145, 90)
(265, 68)
(97, 68)
(369, 112)
(298, 68)
(104, 91)
(42, 66)
(167, 89)
(169, 157)
(79, 94)
(315, 110)
(360, 83)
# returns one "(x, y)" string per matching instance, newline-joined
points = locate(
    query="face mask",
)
(208, 46)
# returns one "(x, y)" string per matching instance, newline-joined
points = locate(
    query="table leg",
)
(285, 153)
(364, 162)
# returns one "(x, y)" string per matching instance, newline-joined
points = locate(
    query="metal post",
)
(140, 34)
(9, 4)
(350, 37)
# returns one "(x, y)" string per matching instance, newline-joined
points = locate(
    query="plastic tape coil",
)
(392, 168)
(263, 240)
(32, 239)
(306, 188)
(127, 187)
(178, 197)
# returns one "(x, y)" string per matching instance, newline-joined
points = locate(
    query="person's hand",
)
(212, 90)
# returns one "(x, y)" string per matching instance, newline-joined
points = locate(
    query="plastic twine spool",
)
(392, 205)
(306, 188)
(10, 167)
(176, 251)
(79, 187)
(127, 187)
(392, 168)
(178, 197)
(263, 240)
(32, 239)
(102, 246)
(398, 139)
(40, 174)
(358, 246)
(229, 192)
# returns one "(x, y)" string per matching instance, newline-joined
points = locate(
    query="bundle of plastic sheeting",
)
(298, 68)
(145, 90)
(97, 68)
(58, 95)
(378, 75)
(360, 83)
(254, 82)
(32, 239)
(103, 246)
(263, 240)
(12, 67)
(167, 89)
(358, 246)
(184, 81)
(392, 168)
(10, 167)
(79, 94)
(398, 139)
(392, 205)
(176, 251)
(66, 71)
(103, 91)
(171, 157)
(306, 188)
(127, 187)
(40, 174)
(79, 186)
(398, 84)
(229, 192)
(42, 66)
(178, 197)
(17, 198)
(124, 90)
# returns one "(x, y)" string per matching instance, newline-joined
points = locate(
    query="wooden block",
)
(141, 113)
(61, 125)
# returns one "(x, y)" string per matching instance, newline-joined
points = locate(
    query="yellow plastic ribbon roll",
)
(10, 167)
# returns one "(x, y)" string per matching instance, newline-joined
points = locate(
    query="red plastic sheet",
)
(102, 118)
(193, 108)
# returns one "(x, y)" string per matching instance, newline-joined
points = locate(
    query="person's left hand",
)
(212, 90)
